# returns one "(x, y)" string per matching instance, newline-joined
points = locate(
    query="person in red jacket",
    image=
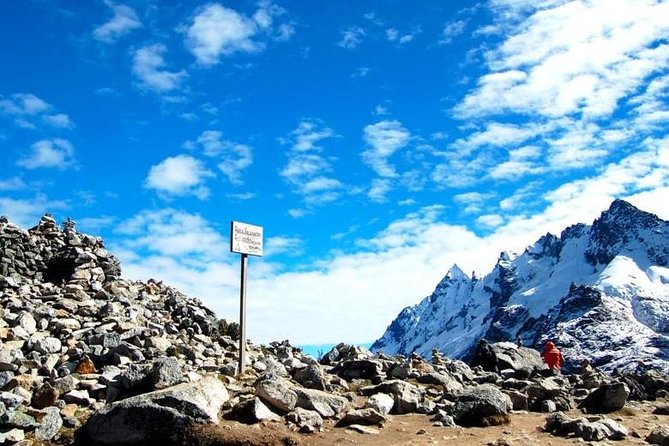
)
(552, 356)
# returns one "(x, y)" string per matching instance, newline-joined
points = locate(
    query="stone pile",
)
(84, 352)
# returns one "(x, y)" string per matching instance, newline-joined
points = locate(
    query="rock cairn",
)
(86, 354)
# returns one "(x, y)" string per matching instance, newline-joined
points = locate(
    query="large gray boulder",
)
(485, 405)
(523, 361)
(277, 393)
(326, 404)
(157, 415)
(605, 399)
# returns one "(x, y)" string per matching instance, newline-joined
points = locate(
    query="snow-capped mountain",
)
(601, 292)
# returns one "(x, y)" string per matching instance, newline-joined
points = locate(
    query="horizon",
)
(377, 145)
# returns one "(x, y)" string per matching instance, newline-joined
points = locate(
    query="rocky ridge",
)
(577, 289)
(91, 358)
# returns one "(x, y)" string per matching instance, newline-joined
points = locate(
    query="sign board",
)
(246, 238)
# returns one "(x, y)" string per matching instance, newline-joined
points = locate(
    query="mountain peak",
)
(552, 290)
(455, 272)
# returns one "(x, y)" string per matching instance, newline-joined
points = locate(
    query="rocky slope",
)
(600, 291)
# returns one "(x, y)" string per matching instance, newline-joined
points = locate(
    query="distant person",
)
(552, 356)
(485, 357)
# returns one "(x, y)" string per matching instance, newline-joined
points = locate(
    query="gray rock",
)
(518, 399)
(252, 411)
(359, 369)
(17, 419)
(152, 416)
(606, 398)
(548, 406)
(50, 425)
(278, 393)
(367, 416)
(166, 372)
(381, 402)
(10, 400)
(484, 405)
(311, 376)
(307, 421)
(326, 404)
(363, 429)
(659, 435)
(449, 384)
(12, 436)
(407, 396)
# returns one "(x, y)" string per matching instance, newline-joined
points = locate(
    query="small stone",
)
(85, 366)
(50, 425)
(44, 396)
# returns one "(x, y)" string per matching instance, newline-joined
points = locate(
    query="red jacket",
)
(552, 356)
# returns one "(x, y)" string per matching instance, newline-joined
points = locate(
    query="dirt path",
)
(417, 430)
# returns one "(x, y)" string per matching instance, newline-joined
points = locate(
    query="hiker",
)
(552, 356)
(485, 357)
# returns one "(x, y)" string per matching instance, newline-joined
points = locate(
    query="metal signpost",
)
(245, 239)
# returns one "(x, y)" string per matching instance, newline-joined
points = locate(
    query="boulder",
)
(659, 435)
(605, 399)
(407, 397)
(252, 411)
(277, 393)
(367, 416)
(307, 421)
(311, 376)
(326, 404)
(381, 402)
(152, 416)
(485, 405)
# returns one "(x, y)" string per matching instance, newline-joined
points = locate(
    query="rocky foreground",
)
(89, 358)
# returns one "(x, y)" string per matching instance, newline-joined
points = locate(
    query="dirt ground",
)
(417, 430)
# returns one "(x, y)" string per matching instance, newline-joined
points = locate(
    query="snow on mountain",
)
(601, 292)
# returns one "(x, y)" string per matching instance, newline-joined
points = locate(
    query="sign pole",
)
(242, 316)
(245, 239)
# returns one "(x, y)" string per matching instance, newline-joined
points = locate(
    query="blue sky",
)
(377, 142)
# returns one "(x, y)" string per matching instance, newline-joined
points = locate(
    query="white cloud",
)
(49, 153)
(384, 138)
(179, 175)
(14, 183)
(29, 110)
(217, 31)
(471, 202)
(451, 31)
(60, 120)
(242, 196)
(307, 171)
(393, 35)
(379, 189)
(169, 232)
(233, 157)
(361, 72)
(281, 244)
(148, 66)
(124, 21)
(351, 37)
(573, 58)
(490, 220)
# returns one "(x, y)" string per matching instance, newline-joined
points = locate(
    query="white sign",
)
(245, 239)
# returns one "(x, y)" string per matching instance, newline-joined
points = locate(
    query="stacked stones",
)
(74, 335)
(138, 362)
